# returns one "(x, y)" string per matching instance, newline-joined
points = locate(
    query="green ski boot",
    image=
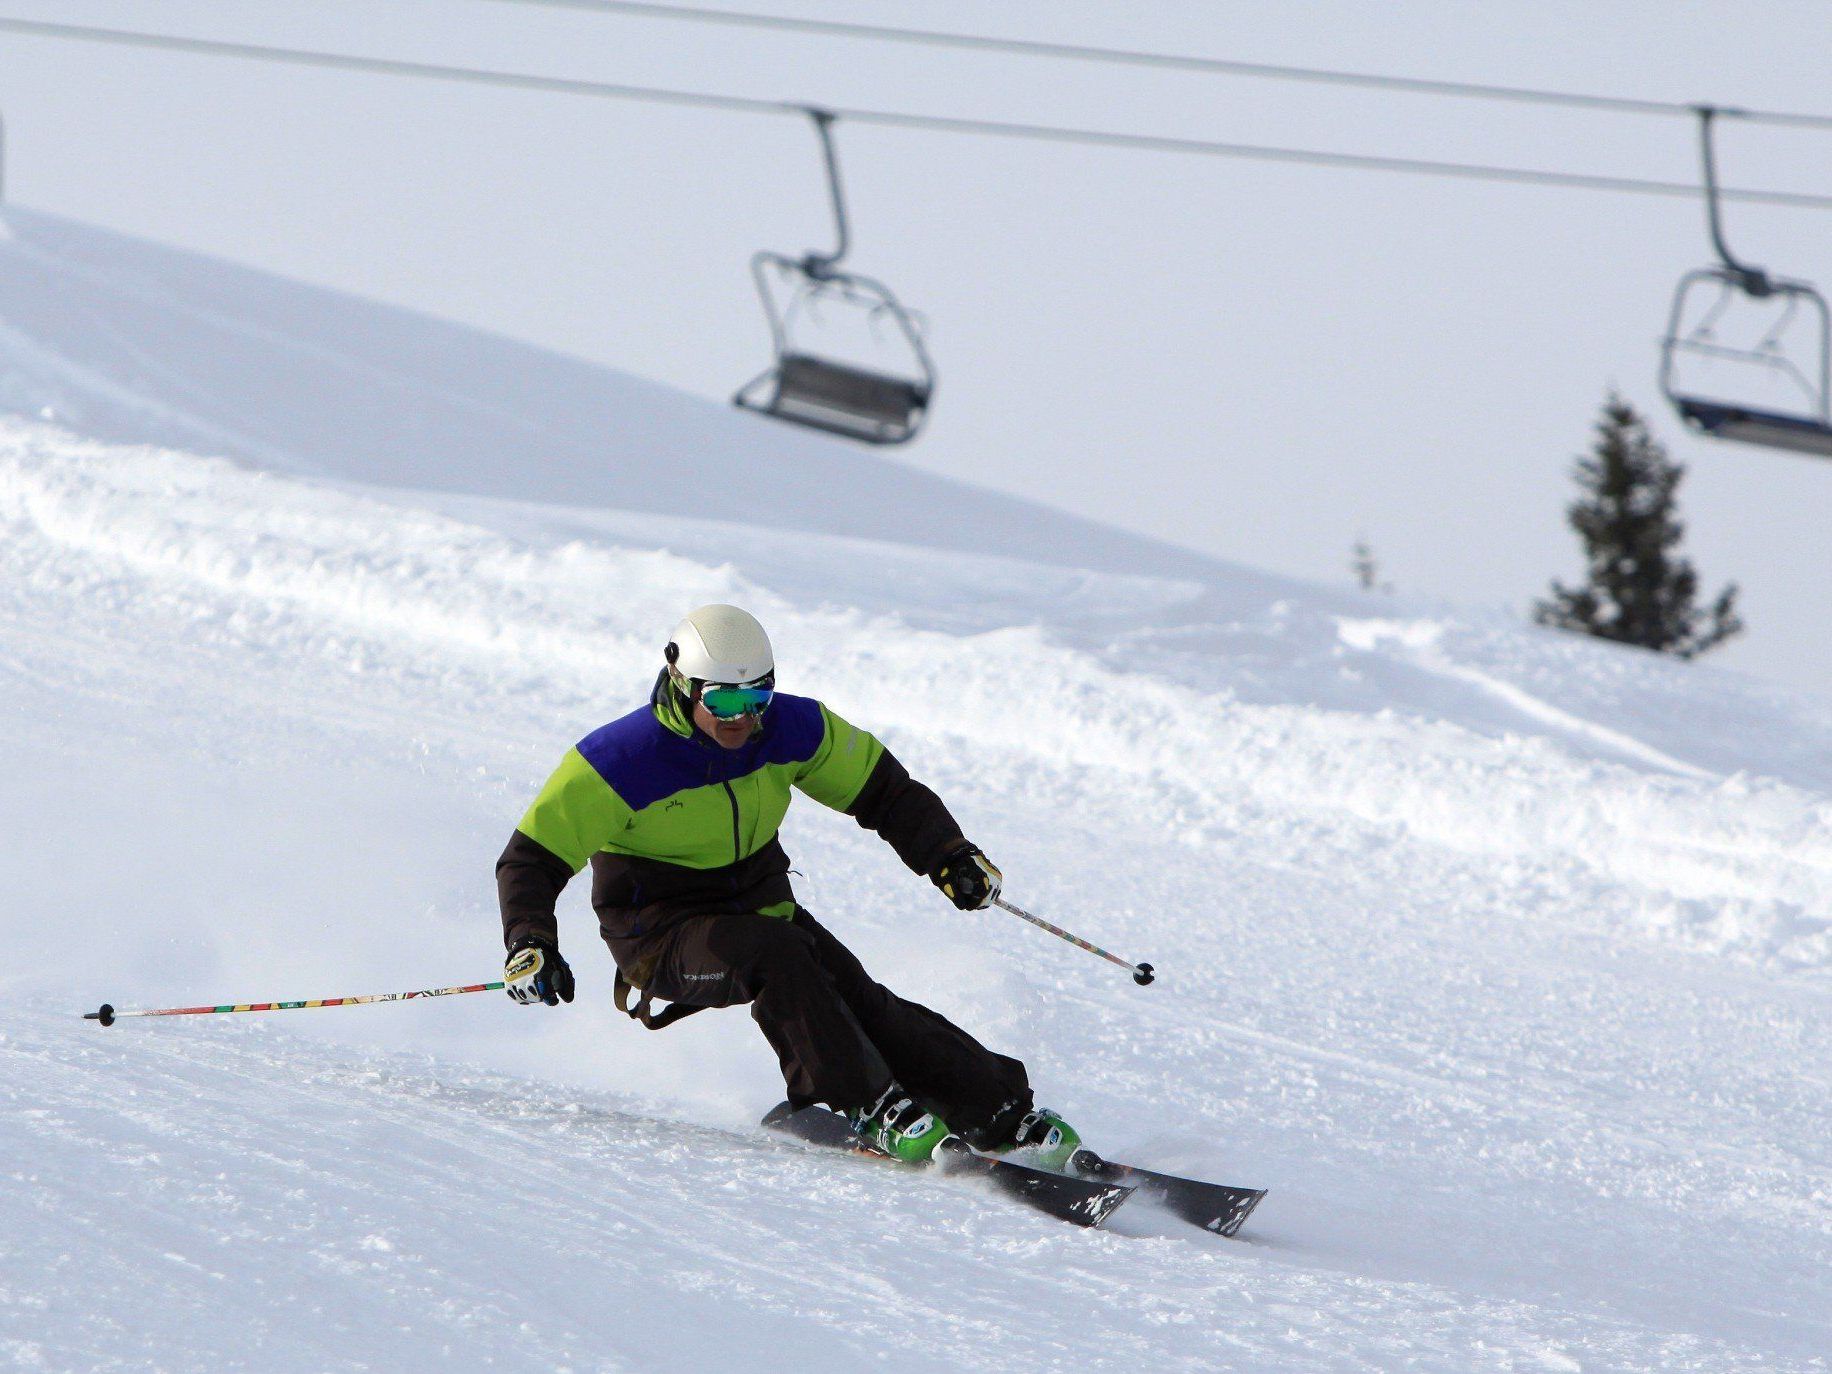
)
(899, 1127)
(1046, 1140)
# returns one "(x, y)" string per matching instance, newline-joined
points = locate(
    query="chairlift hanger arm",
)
(821, 265)
(1751, 279)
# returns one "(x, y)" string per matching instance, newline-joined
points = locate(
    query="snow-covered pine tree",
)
(1637, 589)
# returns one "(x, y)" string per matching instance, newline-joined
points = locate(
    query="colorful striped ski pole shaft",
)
(1141, 973)
(108, 1014)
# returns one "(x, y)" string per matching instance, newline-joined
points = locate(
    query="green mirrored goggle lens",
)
(728, 703)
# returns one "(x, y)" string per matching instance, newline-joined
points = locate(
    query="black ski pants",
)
(841, 1037)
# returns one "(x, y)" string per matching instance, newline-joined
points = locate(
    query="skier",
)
(676, 808)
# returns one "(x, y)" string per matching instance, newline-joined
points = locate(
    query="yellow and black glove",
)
(967, 878)
(535, 972)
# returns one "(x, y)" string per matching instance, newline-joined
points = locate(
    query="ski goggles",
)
(728, 701)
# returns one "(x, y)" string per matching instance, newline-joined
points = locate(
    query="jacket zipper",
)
(737, 845)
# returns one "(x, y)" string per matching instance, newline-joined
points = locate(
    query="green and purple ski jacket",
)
(673, 825)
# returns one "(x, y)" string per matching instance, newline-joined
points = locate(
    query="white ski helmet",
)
(720, 644)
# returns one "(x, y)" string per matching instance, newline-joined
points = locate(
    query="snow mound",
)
(1628, 837)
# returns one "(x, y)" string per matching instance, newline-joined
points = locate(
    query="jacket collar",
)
(670, 709)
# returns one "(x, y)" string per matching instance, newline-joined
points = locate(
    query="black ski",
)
(1212, 1206)
(1083, 1201)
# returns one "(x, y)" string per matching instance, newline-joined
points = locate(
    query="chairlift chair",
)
(804, 387)
(1805, 430)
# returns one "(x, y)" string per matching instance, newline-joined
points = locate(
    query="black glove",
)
(967, 878)
(535, 972)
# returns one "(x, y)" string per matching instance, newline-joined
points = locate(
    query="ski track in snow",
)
(1500, 956)
(364, 1216)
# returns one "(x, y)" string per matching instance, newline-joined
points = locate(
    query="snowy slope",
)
(131, 341)
(1502, 958)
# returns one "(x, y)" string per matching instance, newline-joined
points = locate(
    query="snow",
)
(1500, 957)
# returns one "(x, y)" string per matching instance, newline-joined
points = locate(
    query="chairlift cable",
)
(386, 66)
(1170, 61)
(1582, 181)
(888, 118)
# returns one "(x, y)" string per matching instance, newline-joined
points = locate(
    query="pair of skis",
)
(1086, 1197)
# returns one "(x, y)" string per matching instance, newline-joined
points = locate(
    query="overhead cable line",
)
(386, 66)
(889, 118)
(1168, 61)
(1314, 157)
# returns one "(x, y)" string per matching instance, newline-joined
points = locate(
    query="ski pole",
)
(1141, 973)
(108, 1014)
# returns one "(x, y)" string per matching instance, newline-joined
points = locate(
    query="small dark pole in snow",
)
(1366, 569)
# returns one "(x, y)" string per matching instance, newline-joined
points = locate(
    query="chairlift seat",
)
(842, 399)
(1801, 433)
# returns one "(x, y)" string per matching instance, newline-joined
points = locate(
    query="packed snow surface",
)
(1503, 959)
